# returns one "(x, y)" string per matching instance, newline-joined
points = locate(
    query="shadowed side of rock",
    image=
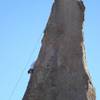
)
(60, 71)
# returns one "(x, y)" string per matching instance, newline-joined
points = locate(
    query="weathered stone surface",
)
(60, 71)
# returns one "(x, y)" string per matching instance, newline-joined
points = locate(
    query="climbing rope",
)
(22, 72)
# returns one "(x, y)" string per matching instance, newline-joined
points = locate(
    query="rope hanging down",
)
(20, 77)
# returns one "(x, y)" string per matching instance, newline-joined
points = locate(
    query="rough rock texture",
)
(60, 71)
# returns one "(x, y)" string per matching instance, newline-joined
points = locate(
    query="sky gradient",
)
(22, 23)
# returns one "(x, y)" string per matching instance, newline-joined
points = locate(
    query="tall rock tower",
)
(60, 72)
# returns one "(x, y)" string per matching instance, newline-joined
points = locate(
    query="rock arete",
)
(60, 72)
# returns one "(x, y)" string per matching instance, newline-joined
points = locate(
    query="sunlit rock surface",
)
(60, 72)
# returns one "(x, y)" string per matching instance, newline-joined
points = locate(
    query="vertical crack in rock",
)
(60, 71)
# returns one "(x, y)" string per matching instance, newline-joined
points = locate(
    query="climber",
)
(31, 70)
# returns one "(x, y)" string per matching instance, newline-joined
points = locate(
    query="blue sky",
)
(22, 23)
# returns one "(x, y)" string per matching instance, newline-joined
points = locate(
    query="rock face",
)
(60, 72)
